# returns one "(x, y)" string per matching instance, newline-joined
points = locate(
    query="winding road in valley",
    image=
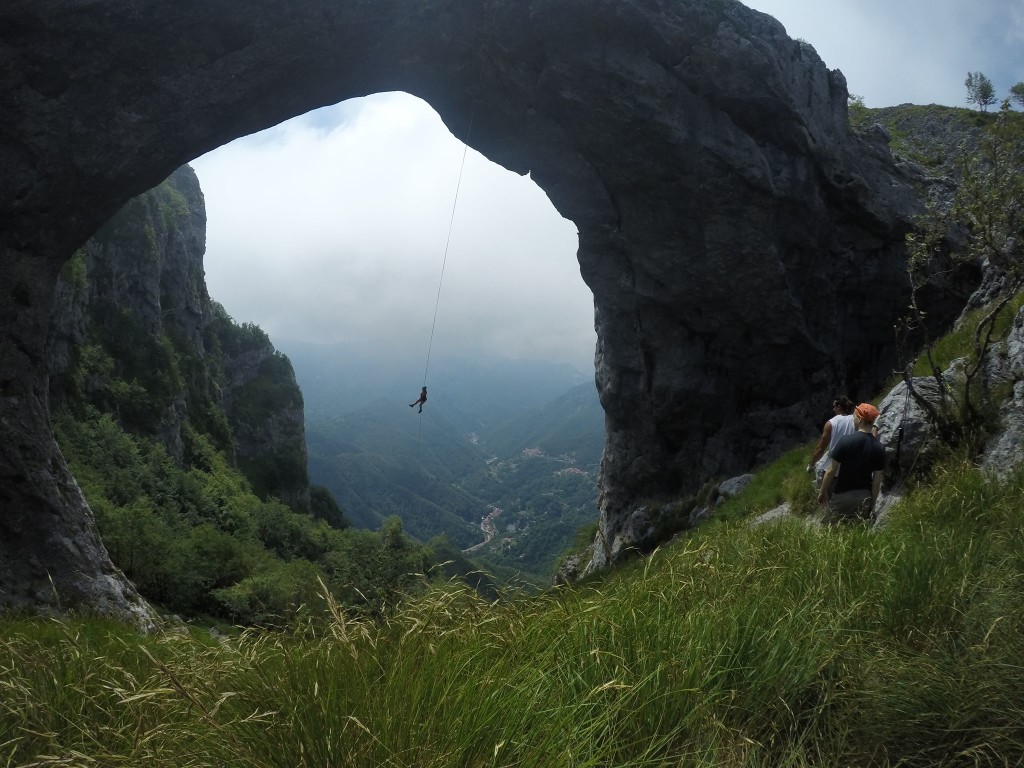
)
(490, 529)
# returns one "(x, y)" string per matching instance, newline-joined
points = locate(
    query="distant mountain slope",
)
(519, 442)
(476, 392)
(383, 460)
(572, 424)
(377, 487)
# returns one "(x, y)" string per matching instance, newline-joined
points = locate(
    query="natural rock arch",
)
(744, 249)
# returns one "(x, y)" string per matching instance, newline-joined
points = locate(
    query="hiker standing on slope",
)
(859, 460)
(839, 425)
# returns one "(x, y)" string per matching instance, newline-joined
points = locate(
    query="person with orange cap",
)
(858, 462)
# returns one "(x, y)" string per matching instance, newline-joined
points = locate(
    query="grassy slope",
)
(929, 135)
(783, 644)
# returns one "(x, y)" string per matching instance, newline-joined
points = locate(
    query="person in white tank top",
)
(839, 425)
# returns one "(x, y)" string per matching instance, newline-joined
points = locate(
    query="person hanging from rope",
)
(421, 401)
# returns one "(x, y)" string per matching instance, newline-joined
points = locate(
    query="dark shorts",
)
(848, 507)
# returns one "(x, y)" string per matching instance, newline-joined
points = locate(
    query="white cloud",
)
(327, 234)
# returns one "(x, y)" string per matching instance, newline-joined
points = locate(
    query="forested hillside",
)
(503, 460)
(185, 431)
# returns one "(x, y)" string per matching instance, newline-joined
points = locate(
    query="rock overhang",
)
(703, 156)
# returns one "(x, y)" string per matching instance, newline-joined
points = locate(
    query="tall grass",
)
(772, 645)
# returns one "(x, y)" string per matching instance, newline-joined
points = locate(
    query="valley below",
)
(503, 461)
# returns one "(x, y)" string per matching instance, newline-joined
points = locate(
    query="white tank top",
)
(841, 425)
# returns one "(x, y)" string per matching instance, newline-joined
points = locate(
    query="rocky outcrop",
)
(931, 136)
(910, 437)
(743, 246)
(264, 406)
(651, 525)
(1005, 451)
(904, 427)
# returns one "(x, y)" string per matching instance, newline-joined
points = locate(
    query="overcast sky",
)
(916, 51)
(334, 226)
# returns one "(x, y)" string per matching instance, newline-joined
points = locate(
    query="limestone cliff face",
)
(133, 332)
(744, 247)
(131, 292)
(261, 398)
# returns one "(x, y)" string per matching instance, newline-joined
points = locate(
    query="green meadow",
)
(780, 644)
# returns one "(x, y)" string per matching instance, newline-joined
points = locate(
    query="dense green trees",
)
(196, 540)
(197, 528)
(202, 534)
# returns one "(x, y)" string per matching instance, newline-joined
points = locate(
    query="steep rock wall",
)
(137, 279)
(135, 295)
(743, 247)
(264, 406)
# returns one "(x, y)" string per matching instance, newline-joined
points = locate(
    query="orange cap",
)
(866, 412)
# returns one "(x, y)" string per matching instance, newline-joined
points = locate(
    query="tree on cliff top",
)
(1017, 93)
(980, 90)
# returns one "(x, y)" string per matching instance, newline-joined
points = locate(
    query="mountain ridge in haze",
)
(345, 376)
(519, 442)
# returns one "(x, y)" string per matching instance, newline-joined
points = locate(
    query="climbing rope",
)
(440, 282)
(458, 187)
(444, 261)
(451, 224)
